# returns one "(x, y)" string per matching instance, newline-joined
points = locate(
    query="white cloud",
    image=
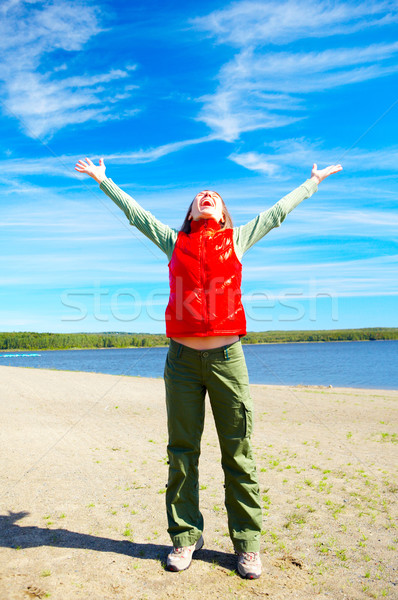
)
(254, 162)
(263, 88)
(235, 108)
(151, 154)
(305, 72)
(283, 157)
(41, 95)
(357, 277)
(248, 22)
(64, 164)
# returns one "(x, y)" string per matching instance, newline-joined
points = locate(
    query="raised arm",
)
(160, 234)
(247, 235)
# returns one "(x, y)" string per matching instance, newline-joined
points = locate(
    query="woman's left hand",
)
(321, 174)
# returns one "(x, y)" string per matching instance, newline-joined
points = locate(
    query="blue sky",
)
(239, 97)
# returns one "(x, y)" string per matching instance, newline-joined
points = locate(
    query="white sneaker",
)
(180, 559)
(249, 565)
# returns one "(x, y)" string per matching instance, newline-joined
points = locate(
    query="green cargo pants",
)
(222, 372)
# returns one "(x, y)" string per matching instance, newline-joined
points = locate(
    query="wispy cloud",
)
(260, 23)
(280, 155)
(301, 71)
(231, 111)
(64, 164)
(262, 87)
(361, 277)
(255, 162)
(151, 154)
(37, 89)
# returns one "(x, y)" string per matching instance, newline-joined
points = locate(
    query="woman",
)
(205, 320)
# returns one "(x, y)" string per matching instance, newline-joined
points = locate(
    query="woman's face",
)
(207, 205)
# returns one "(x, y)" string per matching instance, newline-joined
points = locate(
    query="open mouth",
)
(207, 203)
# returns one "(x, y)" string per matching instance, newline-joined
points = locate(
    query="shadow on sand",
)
(13, 535)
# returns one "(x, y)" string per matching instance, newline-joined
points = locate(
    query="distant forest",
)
(66, 341)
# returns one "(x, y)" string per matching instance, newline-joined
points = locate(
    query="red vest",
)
(205, 284)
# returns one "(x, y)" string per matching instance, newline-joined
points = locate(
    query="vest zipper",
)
(202, 272)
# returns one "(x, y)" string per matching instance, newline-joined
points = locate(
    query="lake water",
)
(340, 364)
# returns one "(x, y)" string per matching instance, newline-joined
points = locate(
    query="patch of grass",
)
(341, 554)
(324, 486)
(45, 573)
(335, 508)
(389, 437)
(367, 558)
(275, 540)
(294, 518)
(322, 547)
(128, 531)
(48, 519)
(384, 592)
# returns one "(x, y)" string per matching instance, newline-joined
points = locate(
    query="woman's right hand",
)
(88, 167)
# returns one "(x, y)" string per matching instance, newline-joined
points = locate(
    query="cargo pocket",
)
(248, 416)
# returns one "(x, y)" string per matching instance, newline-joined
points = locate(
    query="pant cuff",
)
(246, 546)
(186, 539)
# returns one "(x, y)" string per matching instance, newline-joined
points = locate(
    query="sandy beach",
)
(83, 474)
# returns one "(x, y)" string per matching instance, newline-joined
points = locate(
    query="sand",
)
(83, 473)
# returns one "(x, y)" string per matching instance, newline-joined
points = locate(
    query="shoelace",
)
(181, 550)
(250, 556)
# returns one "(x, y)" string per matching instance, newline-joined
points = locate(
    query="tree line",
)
(329, 335)
(29, 340)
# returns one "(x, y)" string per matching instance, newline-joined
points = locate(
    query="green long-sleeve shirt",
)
(244, 236)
